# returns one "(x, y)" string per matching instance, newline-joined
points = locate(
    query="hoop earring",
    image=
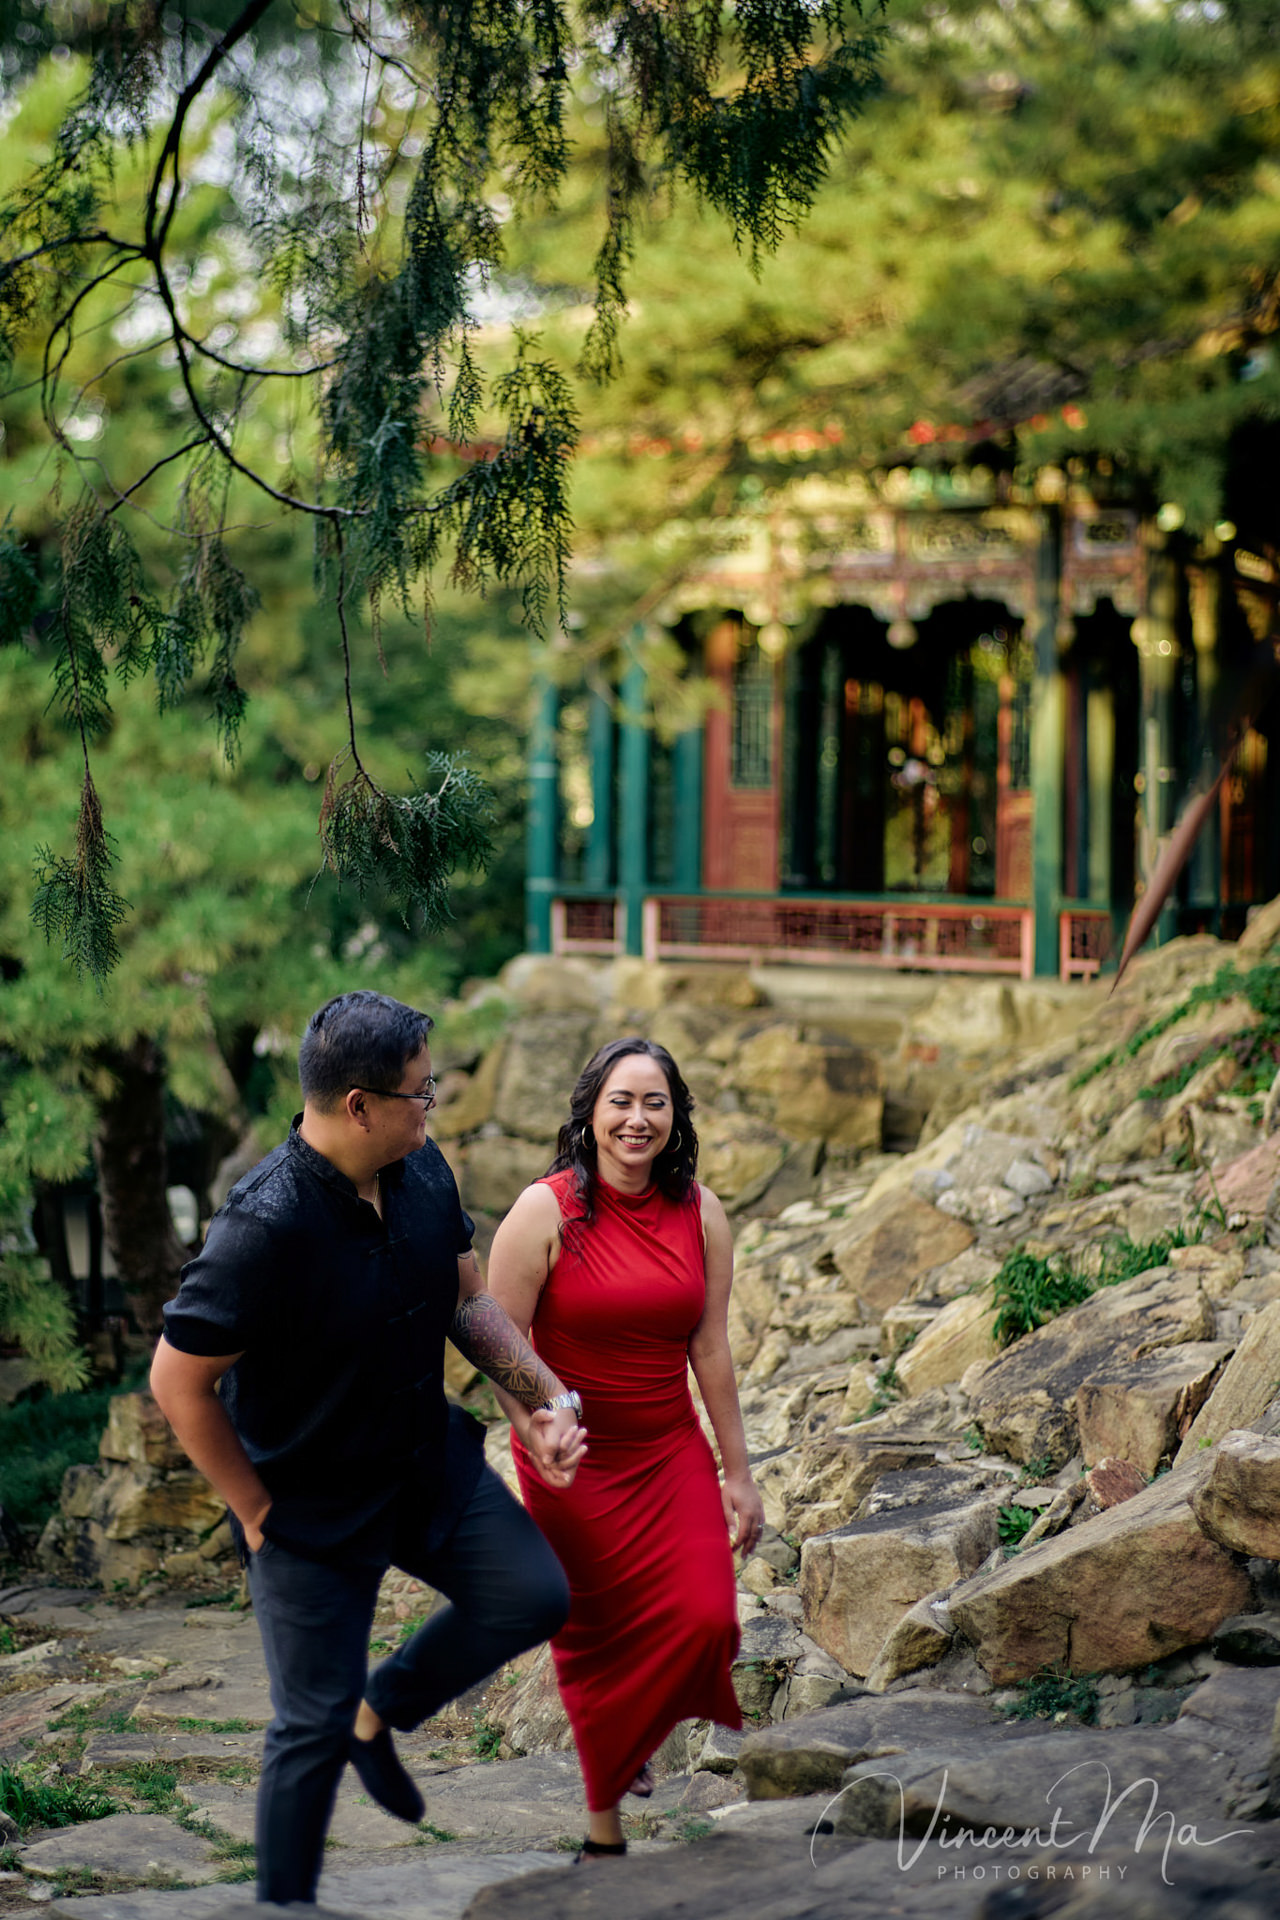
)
(583, 1142)
(674, 1146)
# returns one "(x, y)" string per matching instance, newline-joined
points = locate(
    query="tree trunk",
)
(129, 1153)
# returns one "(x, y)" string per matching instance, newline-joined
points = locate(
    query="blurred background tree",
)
(1053, 239)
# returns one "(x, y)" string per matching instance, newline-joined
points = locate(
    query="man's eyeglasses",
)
(428, 1098)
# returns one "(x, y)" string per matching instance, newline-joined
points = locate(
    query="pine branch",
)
(411, 843)
(74, 902)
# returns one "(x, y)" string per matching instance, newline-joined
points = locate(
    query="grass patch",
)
(238, 1871)
(1013, 1525)
(429, 1836)
(156, 1786)
(151, 1782)
(1256, 1048)
(96, 1716)
(694, 1828)
(409, 1627)
(32, 1802)
(1030, 1289)
(229, 1597)
(486, 1739)
(1047, 1695)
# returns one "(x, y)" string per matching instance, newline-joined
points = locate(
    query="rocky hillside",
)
(966, 1370)
(994, 1387)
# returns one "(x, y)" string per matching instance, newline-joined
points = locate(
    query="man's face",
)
(398, 1125)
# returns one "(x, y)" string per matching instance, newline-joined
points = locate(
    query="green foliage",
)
(36, 1315)
(486, 1739)
(1050, 1695)
(1124, 1258)
(1013, 1525)
(367, 178)
(1030, 1289)
(39, 1440)
(33, 1802)
(407, 845)
(1259, 986)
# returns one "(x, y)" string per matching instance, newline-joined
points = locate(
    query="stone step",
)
(431, 1887)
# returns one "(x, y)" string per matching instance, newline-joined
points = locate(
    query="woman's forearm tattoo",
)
(490, 1339)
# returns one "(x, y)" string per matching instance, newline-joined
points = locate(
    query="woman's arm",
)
(524, 1251)
(712, 1365)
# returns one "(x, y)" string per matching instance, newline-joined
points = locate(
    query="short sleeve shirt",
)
(340, 1319)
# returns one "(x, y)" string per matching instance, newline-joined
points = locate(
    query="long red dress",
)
(653, 1625)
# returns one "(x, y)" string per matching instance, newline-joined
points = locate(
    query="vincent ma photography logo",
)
(1061, 1849)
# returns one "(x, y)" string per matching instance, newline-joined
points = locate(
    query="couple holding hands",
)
(302, 1369)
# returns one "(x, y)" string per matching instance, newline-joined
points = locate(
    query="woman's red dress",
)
(653, 1625)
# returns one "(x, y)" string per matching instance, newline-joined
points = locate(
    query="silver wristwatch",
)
(563, 1400)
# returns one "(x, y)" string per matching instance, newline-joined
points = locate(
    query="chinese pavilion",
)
(950, 725)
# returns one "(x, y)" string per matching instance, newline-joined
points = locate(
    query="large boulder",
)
(810, 1087)
(811, 1755)
(1245, 1186)
(814, 1487)
(857, 1582)
(1245, 1388)
(1237, 1501)
(884, 1249)
(542, 1056)
(137, 1432)
(958, 1337)
(738, 1153)
(1138, 1410)
(1127, 1587)
(471, 1106)
(1024, 1402)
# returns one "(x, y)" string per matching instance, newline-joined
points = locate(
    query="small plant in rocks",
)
(1013, 1525)
(1055, 1696)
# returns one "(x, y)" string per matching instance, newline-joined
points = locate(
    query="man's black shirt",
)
(340, 1319)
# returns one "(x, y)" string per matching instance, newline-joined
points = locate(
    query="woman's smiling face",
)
(632, 1121)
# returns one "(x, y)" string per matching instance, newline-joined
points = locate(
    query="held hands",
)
(743, 1512)
(556, 1444)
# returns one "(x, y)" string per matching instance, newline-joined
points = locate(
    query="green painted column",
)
(1048, 744)
(633, 805)
(1157, 640)
(543, 818)
(686, 767)
(1204, 878)
(598, 863)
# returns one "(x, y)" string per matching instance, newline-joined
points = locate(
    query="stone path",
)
(877, 1806)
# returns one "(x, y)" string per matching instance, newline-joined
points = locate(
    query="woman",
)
(618, 1265)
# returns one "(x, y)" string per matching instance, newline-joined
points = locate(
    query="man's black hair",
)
(359, 1039)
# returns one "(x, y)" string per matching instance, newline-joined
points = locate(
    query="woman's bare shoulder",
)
(712, 1207)
(536, 1209)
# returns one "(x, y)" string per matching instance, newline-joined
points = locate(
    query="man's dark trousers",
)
(507, 1592)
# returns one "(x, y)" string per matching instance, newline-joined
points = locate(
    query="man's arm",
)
(184, 1387)
(487, 1335)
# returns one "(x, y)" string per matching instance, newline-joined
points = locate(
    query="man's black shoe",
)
(382, 1776)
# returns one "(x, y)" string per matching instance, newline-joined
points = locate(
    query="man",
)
(320, 1302)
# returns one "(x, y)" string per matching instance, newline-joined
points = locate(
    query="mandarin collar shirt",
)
(339, 1318)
